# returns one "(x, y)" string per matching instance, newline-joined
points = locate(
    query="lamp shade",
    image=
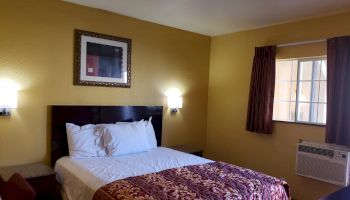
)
(175, 102)
(8, 99)
(8, 95)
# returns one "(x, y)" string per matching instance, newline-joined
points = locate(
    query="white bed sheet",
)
(80, 178)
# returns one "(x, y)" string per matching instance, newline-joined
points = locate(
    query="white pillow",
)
(84, 141)
(125, 138)
(151, 135)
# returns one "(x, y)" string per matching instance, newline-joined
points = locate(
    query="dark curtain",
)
(338, 91)
(262, 88)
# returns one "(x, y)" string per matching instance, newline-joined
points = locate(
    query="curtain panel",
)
(262, 88)
(338, 91)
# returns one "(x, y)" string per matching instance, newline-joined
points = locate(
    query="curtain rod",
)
(301, 43)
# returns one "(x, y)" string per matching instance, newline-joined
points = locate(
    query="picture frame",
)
(102, 60)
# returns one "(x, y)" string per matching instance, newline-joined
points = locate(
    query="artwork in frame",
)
(102, 60)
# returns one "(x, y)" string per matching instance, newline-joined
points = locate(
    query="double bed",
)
(160, 173)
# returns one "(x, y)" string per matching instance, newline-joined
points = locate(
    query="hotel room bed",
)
(160, 173)
(81, 178)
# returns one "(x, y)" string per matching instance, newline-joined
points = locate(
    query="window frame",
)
(312, 92)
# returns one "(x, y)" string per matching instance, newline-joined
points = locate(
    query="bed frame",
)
(81, 115)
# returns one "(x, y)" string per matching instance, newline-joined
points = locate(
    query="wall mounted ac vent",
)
(324, 162)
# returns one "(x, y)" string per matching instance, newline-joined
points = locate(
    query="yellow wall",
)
(36, 51)
(229, 79)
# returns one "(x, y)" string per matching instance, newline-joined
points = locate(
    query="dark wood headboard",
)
(81, 115)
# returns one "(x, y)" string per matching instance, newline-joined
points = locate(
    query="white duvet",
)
(80, 178)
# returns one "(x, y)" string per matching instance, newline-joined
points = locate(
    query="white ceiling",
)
(217, 17)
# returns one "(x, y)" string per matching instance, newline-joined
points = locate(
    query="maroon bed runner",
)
(216, 180)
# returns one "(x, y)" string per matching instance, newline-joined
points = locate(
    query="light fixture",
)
(174, 100)
(8, 97)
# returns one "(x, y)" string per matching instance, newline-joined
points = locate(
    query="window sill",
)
(302, 123)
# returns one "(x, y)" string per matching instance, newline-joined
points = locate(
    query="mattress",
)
(81, 178)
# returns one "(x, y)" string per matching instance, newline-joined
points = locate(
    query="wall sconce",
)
(174, 103)
(8, 97)
(174, 100)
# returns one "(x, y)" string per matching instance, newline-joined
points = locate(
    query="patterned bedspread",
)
(216, 180)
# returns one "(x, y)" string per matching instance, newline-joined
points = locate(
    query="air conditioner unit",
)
(324, 162)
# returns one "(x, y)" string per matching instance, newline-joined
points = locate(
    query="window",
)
(300, 91)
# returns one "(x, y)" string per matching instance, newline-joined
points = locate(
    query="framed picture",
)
(102, 60)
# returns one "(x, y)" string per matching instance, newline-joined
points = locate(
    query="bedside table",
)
(40, 176)
(188, 149)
